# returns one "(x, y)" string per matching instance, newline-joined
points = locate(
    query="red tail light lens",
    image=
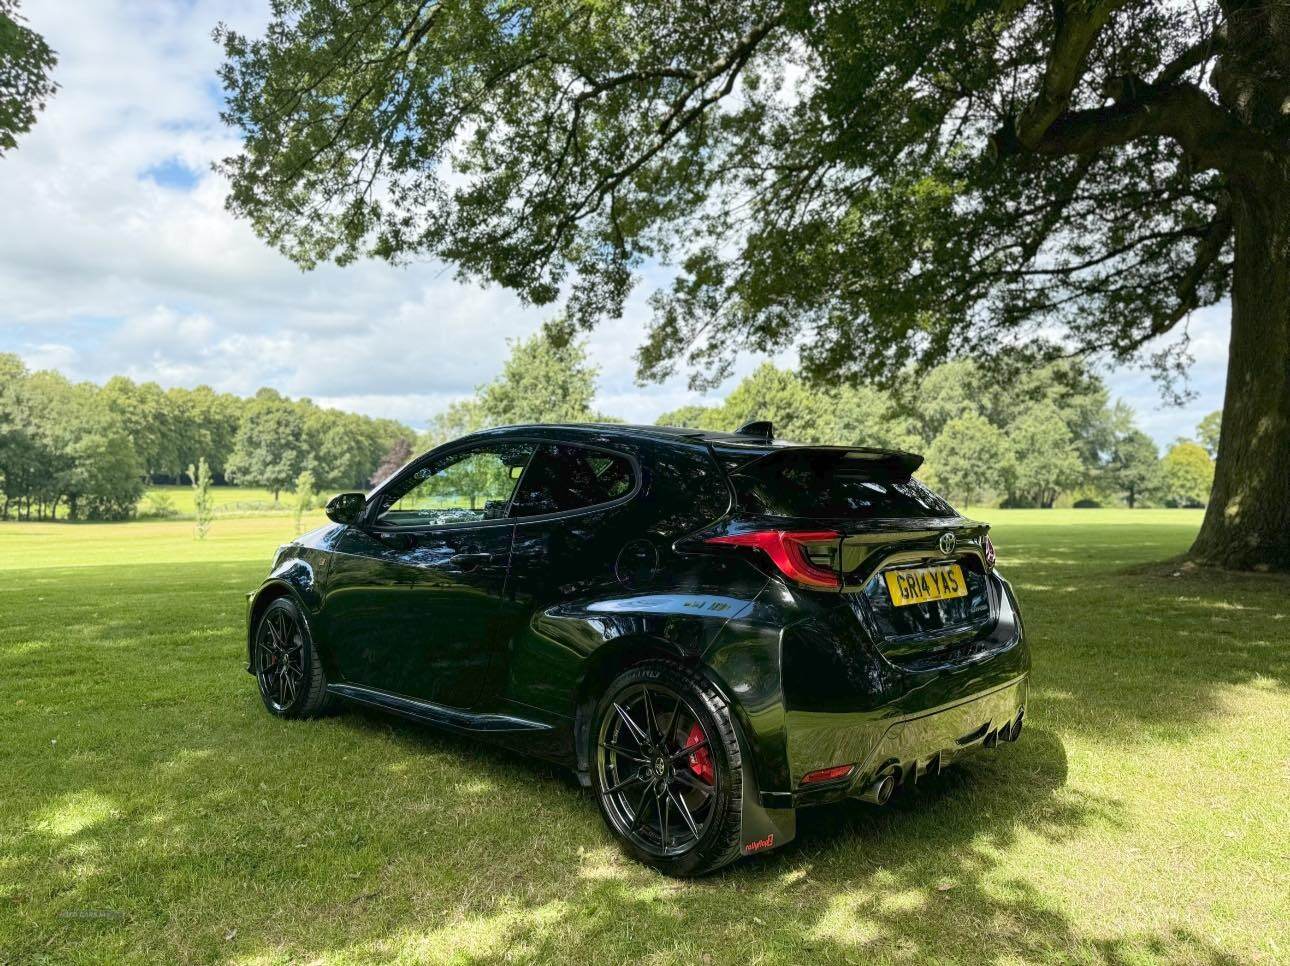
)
(790, 551)
(828, 774)
(990, 558)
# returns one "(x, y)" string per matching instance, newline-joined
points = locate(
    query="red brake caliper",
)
(701, 760)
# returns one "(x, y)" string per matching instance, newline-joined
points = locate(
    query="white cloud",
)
(104, 270)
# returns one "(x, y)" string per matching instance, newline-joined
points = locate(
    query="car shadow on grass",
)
(364, 838)
(915, 881)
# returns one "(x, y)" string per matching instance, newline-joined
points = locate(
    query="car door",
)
(573, 514)
(414, 594)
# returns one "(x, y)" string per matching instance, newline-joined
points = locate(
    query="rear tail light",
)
(807, 557)
(988, 547)
(828, 774)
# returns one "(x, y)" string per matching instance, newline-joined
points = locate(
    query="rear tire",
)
(667, 770)
(285, 662)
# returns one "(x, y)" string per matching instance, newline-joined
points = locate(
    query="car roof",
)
(735, 448)
(637, 431)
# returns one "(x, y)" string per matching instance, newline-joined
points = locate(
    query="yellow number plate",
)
(919, 585)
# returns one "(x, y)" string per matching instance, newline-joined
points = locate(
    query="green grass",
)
(228, 500)
(151, 811)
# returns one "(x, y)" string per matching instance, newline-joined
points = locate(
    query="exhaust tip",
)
(879, 793)
(886, 786)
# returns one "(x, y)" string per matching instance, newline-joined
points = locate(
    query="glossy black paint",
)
(346, 508)
(512, 626)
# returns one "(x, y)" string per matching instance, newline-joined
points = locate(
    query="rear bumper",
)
(847, 704)
(915, 745)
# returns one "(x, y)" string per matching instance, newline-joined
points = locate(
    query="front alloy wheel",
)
(285, 664)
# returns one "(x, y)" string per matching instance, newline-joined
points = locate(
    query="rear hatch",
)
(912, 569)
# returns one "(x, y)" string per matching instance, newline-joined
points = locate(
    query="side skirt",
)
(436, 714)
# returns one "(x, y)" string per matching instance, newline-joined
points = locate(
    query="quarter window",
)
(564, 477)
(465, 487)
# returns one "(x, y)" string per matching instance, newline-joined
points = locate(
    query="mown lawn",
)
(227, 500)
(152, 812)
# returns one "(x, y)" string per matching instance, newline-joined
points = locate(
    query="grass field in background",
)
(153, 812)
(228, 500)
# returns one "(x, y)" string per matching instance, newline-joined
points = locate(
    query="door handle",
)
(469, 561)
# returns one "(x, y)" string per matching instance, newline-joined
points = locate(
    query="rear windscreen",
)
(828, 484)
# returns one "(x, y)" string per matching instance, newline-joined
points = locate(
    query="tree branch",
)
(1208, 252)
(1207, 132)
(1078, 23)
(1193, 56)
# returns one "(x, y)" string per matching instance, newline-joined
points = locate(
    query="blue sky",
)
(116, 255)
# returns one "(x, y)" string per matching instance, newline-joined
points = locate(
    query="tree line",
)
(84, 451)
(1050, 432)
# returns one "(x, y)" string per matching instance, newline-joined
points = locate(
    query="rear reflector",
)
(828, 774)
(789, 551)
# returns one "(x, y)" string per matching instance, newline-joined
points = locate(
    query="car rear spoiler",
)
(887, 464)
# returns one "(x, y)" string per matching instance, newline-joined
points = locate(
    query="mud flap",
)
(763, 827)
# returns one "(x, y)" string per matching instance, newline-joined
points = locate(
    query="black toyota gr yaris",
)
(711, 629)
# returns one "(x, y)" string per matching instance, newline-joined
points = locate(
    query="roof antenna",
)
(760, 428)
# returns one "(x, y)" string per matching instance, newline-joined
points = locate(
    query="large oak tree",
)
(879, 182)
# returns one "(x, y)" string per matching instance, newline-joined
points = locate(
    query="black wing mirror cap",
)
(346, 508)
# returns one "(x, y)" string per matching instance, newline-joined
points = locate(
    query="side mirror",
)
(346, 508)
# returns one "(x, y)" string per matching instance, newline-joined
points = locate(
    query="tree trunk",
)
(1247, 524)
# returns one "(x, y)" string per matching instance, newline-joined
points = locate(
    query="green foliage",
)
(173, 428)
(464, 484)
(91, 449)
(203, 502)
(1208, 430)
(797, 412)
(26, 63)
(157, 505)
(804, 413)
(968, 457)
(542, 381)
(270, 449)
(151, 421)
(896, 204)
(461, 418)
(104, 481)
(305, 496)
(1187, 473)
(270, 440)
(958, 414)
(1133, 464)
(61, 446)
(711, 418)
(1048, 459)
(340, 449)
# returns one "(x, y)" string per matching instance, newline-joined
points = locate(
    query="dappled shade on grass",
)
(154, 812)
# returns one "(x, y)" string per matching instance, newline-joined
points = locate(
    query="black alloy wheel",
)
(667, 769)
(279, 659)
(292, 683)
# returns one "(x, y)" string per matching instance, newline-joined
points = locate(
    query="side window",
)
(466, 487)
(564, 477)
